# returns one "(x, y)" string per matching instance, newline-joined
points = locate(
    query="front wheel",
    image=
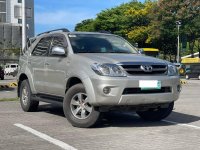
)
(77, 108)
(156, 114)
(27, 104)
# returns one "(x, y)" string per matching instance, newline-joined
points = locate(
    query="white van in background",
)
(10, 68)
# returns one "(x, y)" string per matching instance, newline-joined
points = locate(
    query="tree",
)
(117, 20)
(167, 12)
(85, 25)
(140, 31)
(128, 20)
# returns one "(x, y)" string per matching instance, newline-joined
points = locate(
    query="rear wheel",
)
(27, 104)
(156, 114)
(77, 108)
(2, 78)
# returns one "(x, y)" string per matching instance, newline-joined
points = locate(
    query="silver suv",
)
(91, 73)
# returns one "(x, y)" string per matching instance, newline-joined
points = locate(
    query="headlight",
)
(172, 70)
(108, 70)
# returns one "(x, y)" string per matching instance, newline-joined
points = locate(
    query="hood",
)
(120, 58)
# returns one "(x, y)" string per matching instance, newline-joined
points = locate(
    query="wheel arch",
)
(86, 83)
(72, 81)
(22, 77)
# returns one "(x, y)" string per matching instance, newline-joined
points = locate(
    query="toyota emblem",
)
(146, 68)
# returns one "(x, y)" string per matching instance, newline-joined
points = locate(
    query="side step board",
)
(48, 99)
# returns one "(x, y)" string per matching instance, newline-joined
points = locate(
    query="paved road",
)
(8, 79)
(48, 129)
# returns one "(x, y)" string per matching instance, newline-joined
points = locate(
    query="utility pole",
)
(178, 23)
(24, 24)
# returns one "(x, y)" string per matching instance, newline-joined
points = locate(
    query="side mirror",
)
(60, 51)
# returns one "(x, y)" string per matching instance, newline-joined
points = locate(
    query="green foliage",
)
(167, 12)
(122, 20)
(85, 25)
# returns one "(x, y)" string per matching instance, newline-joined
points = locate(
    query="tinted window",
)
(42, 47)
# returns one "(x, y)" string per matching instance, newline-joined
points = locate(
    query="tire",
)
(156, 115)
(79, 112)
(2, 78)
(27, 104)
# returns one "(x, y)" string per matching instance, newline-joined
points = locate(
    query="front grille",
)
(149, 91)
(136, 70)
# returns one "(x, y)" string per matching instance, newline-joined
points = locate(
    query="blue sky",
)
(52, 14)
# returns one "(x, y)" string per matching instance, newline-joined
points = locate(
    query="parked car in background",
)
(10, 68)
(192, 66)
(1, 73)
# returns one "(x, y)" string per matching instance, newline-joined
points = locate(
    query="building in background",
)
(11, 24)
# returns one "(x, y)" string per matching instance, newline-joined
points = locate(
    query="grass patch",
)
(9, 99)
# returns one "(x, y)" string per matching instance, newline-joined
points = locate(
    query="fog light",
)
(179, 88)
(106, 90)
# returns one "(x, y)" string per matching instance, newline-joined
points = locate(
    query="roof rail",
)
(62, 29)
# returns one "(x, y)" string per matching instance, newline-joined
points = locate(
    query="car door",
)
(55, 68)
(36, 63)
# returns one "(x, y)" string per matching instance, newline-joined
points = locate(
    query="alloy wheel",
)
(80, 107)
(25, 95)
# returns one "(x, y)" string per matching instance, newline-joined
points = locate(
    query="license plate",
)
(149, 84)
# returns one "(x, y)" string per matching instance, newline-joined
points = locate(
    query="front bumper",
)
(116, 97)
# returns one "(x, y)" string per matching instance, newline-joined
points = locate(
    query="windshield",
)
(100, 43)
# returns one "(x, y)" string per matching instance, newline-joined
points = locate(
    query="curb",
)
(13, 84)
(4, 87)
(183, 81)
(8, 85)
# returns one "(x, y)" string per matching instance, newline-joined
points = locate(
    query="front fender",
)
(26, 71)
(87, 83)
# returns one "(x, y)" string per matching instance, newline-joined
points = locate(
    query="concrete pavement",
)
(117, 131)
